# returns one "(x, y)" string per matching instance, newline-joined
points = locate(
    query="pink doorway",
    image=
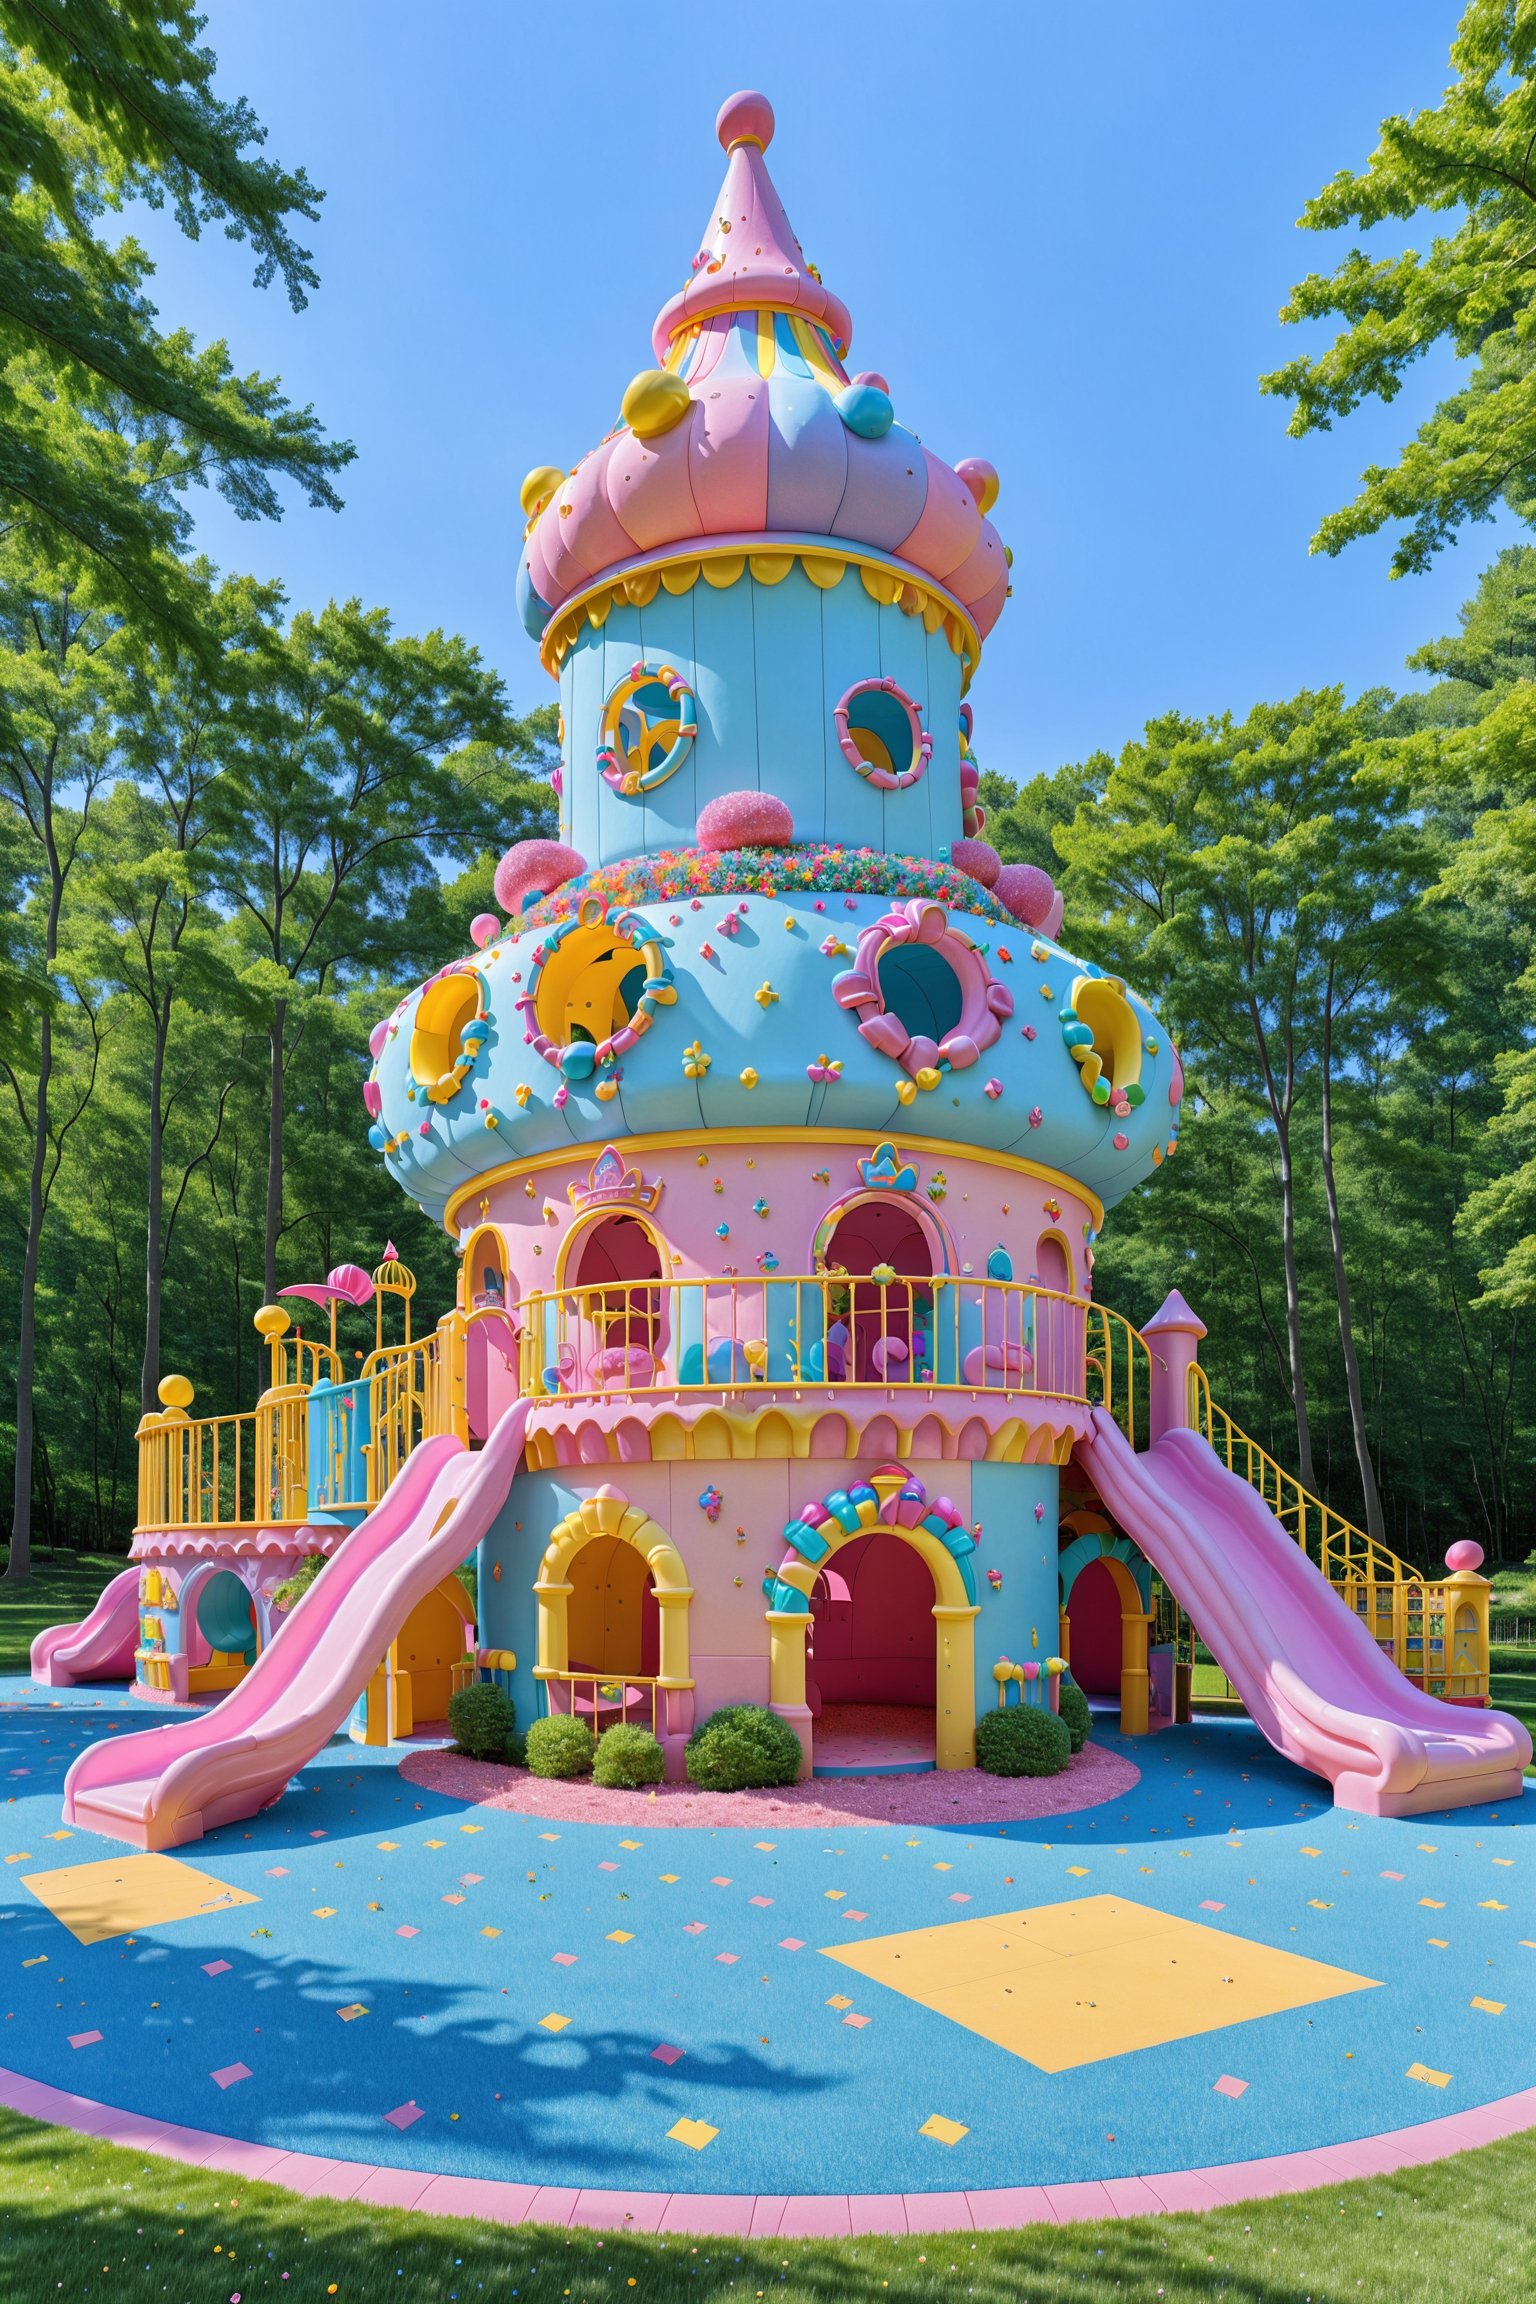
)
(871, 1674)
(889, 1324)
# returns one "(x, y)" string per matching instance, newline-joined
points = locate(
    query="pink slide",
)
(171, 1784)
(1306, 1667)
(100, 1647)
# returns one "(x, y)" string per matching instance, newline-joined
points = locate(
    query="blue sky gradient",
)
(1064, 234)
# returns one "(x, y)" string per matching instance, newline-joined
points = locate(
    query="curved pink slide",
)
(99, 1647)
(1306, 1667)
(172, 1784)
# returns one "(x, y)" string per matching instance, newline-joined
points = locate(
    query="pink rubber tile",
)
(404, 2115)
(1182, 2189)
(877, 2212)
(767, 2213)
(394, 2187)
(237, 2158)
(228, 2075)
(1132, 2196)
(83, 2039)
(34, 2097)
(482, 2196)
(552, 2204)
(816, 2216)
(216, 1967)
(938, 2212)
(1072, 2202)
(728, 2213)
(621, 2211)
(331, 2179)
(1009, 2205)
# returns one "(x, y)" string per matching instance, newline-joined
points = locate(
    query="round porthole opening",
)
(920, 988)
(881, 733)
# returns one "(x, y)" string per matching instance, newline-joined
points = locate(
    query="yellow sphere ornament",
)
(175, 1391)
(655, 401)
(538, 488)
(272, 1321)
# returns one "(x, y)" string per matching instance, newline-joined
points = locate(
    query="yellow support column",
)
(787, 1629)
(954, 1710)
(672, 1660)
(1135, 1677)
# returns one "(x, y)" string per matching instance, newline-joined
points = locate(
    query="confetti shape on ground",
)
(323, 1912)
(1440, 1943)
(351, 2012)
(549, 1835)
(727, 1959)
(850, 1914)
(694, 1927)
(762, 1902)
(1311, 1851)
(388, 1846)
(123, 1893)
(83, 2039)
(403, 2115)
(1489, 2007)
(470, 1879)
(665, 2053)
(1491, 1904)
(407, 1931)
(834, 1895)
(858, 2022)
(1430, 2077)
(215, 1967)
(621, 1936)
(1392, 1875)
(1227, 2086)
(1433, 1903)
(1078, 1871)
(607, 1865)
(631, 1844)
(228, 2074)
(839, 2000)
(490, 1931)
(453, 1897)
(694, 2133)
(720, 1881)
(791, 1943)
(943, 2131)
(277, 1871)
(669, 1879)
(565, 1959)
(766, 1847)
(1316, 1904)
(553, 2023)
(958, 1896)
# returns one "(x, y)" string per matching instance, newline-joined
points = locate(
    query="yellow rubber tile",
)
(123, 1893)
(924, 1960)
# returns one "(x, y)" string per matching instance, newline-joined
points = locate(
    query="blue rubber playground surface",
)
(547, 2002)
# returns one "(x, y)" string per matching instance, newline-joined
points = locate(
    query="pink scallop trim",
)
(758, 2216)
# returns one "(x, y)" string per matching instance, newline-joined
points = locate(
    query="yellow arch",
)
(954, 1614)
(609, 1513)
(1135, 1677)
(588, 1221)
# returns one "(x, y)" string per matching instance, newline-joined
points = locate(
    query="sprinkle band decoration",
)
(874, 771)
(627, 755)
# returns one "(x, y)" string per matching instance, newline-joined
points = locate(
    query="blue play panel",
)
(517, 1992)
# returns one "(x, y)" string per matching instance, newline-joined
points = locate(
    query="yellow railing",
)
(1119, 1370)
(414, 1392)
(607, 1699)
(223, 1471)
(738, 1335)
(1435, 1631)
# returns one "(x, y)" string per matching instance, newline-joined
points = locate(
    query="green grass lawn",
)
(62, 1588)
(78, 2217)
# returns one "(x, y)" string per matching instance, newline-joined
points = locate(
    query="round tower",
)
(773, 1121)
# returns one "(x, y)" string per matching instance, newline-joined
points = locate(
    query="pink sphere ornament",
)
(1464, 1556)
(534, 868)
(745, 117)
(745, 820)
(484, 929)
(1027, 891)
(979, 860)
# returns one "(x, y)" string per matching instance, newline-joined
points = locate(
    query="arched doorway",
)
(219, 1620)
(886, 1326)
(1105, 1617)
(615, 1325)
(612, 1598)
(870, 1664)
(613, 1625)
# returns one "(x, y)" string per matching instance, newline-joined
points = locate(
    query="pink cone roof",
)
(763, 451)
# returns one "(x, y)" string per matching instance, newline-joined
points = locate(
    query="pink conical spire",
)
(750, 257)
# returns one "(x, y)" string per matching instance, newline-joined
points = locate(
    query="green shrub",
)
(1075, 1712)
(1024, 1740)
(560, 1746)
(483, 1718)
(743, 1747)
(628, 1757)
(292, 1589)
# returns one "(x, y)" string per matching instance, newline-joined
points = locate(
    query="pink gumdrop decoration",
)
(1463, 1556)
(994, 1089)
(1122, 1142)
(981, 479)
(871, 377)
(373, 1098)
(979, 860)
(535, 867)
(378, 1036)
(745, 820)
(1027, 892)
(484, 929)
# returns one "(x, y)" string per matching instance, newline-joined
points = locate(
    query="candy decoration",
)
(484, 929)
(695, 1062)
(747, 1077)
(994, 1089)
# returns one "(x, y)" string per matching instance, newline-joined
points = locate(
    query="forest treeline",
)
(234, 829)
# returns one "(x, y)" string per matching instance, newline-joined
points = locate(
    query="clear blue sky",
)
(1064, 233)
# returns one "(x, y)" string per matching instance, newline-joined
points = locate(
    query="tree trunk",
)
(1293, 1303)
(19, 1565)
(154, 1276)
(1375, 1525)
(274, 1155)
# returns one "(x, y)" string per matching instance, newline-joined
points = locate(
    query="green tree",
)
(1471, 159)
(105, 421)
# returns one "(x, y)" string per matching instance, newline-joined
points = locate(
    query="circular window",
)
(918, 985)
(447, 1034)
(1103, 1039)
(882, 735)
(647, 725)
(597, 981)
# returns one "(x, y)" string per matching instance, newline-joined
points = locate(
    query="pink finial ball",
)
(484, 929)
(871, 377)
(1464, 1556)
(746, 117)
(981, 479)
(535, 867)
(1027, 891)
(745, 820)
(979, 859)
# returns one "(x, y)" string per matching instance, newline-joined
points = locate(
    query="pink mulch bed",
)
(952, 1797)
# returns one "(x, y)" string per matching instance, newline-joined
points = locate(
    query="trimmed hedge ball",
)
(1022, 1741)
(1027, 891)
(1075, 1712)
(743, 1747)
(560, 1746)
(745, 820)
(483, 1718)
(628, 1756)
(535, 868)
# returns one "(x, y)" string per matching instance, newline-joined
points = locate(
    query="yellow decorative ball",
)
(538, 488)
(175, 1391)
(655, 401)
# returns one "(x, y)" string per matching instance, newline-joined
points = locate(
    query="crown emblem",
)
(886, 1170)
(610, 1184)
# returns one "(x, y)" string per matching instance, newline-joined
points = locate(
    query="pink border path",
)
(829, 2215)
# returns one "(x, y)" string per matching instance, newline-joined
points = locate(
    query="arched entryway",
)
(219, 1630)
(881, 1330)
(870, 1663)
(612, 1599)
(1105, 1622)
(614, 1321)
